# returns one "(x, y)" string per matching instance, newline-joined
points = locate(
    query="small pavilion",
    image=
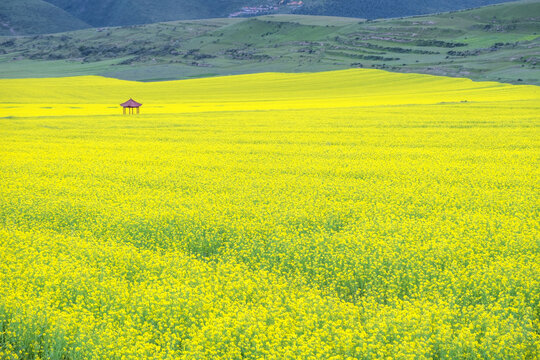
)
(131, 105)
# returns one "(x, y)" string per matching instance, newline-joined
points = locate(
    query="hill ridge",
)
(121, 12)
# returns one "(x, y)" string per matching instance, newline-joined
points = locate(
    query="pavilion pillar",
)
(137, 110)
(124, 110)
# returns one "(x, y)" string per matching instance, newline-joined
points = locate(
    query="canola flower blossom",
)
(344, 215)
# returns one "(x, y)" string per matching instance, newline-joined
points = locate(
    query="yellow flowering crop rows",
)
(344, 215)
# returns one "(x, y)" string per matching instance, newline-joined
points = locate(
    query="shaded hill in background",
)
(375, 9)
(20, 17)
(128, 12)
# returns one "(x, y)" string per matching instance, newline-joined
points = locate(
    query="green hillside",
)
(498, 42)
(374, 9)
(20, 17)
(124, 12)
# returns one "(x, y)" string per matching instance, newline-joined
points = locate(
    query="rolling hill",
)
(21, 17)
(371, 9)
(498, 42)
(123, 12)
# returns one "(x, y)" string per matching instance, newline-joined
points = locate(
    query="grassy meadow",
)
(355, 214)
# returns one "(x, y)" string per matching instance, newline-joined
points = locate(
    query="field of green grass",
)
(498, 43)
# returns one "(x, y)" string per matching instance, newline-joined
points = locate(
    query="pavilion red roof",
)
(131, 103)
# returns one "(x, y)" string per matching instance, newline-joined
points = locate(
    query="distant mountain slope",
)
(375, 9)
(22, 17)
(127, 12)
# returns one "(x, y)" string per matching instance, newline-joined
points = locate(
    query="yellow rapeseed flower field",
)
(355, 214)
